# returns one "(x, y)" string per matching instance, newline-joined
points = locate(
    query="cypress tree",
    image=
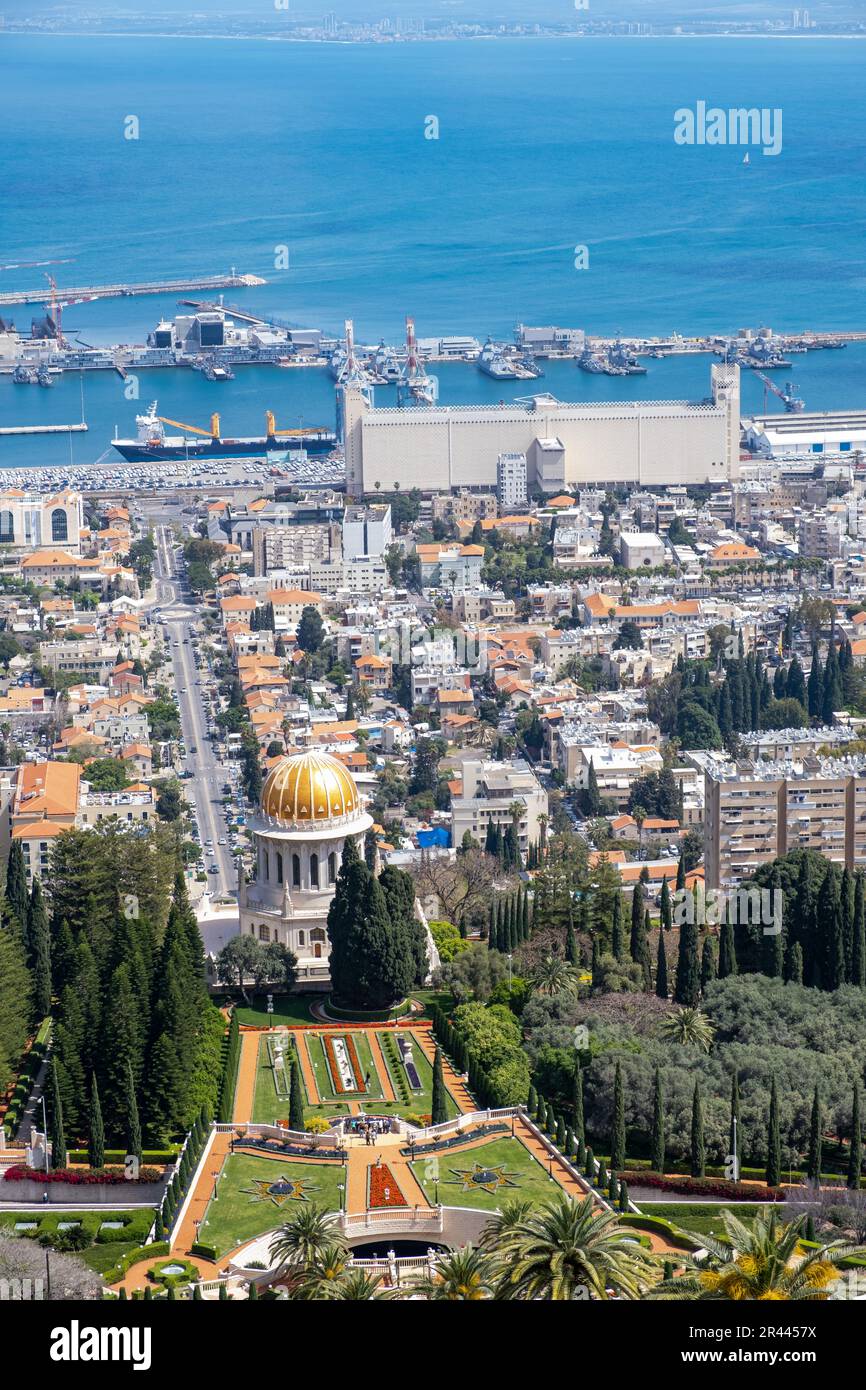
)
(855, 1153)
(665, 910)
(571, 945)
(687, 989)
(439, 1106)
(733, 1134)
(596, 963)
(794, 964)
(624, 1200)
(541, 1112)
(577, 1106)
(96, 1147)
(549, 1120)
(698, 1149)
(40, 946)
(661, 968)
(532, 1101)
(132, 1123)
(708, 964)
(601, 1177)
(296, 1097)
(727, 950)
(657, 1147)
(681, 874)
(223, 1293)
(858, 942)
(58, 1139)
(616, 943)
(527, 920)
(570, 1143)
(591, 1166)
(617, 1138)
(560, 1135)
(17, 896)
(493, 930)
(774, 1141)
(636, 943)
(815, 685)
(848, 919)
(813, 1164)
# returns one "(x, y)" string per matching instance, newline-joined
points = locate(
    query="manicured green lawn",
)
(268, 1106)
(241, 1210)
(316, 1050)
(524, 1176)
(288, 1009)
(703, 1219)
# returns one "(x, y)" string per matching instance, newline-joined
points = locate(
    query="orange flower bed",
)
(383, 1189)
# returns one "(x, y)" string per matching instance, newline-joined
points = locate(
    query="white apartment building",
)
(489, 791)
(757, 811)
(511, 483)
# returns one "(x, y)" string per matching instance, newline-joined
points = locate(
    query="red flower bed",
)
(336, 1079)
(89, 1177)
(708, 1187)
(380, 1177)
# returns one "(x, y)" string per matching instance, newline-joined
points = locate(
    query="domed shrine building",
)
(310, 805)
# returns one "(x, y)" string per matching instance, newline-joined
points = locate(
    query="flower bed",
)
(706, 1187)
(382, 1188)
(334, 1066)
(93, 1177)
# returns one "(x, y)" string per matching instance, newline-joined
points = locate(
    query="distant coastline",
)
(415, 40)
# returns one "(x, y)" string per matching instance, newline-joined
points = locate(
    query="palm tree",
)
(301, 1240)
(503, 1222)
(542, 831)
(464, 1276)
(323, 1277)
(553, 975)
(689, 1028)
(763, 1262)
(356, 1285)
(567, 1250)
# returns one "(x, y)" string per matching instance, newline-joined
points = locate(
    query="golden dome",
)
(307, 788)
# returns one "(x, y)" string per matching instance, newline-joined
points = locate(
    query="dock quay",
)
(121, 291)
(44, 429)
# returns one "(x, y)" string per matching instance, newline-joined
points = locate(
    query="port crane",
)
(415, 384)
(793, 404)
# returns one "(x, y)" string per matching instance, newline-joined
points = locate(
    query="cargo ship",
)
(153, 445)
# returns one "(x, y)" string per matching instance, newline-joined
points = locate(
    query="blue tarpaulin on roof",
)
(440, 838)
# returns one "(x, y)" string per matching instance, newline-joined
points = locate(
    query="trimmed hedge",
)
(367, 1015)
(136, 1224)
(135, 1257)
(204, 1252)
(153, 1156)
(660, 1227)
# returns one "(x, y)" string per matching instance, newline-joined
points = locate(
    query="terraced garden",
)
(255, 1195)
(484, 1176)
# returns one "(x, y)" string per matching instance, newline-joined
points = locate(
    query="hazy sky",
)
(464, 9)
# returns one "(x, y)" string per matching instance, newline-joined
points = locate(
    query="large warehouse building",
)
(648, 443)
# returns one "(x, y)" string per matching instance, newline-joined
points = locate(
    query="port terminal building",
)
(645, 443)
(807, 435)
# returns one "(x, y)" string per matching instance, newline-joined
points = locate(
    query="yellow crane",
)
(193, 429)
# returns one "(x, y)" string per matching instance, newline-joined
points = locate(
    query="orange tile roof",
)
(51, 788)
(735, 550)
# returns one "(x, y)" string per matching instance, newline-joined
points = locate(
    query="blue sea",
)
(544, 145)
